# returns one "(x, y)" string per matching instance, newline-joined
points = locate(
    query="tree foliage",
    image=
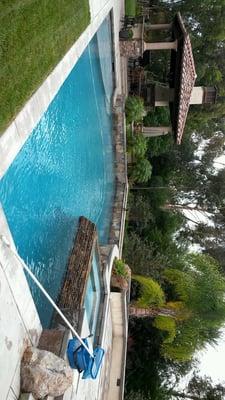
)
(134, 109)
(138, 145)
(184, 186)
(151, 293)
(160, 116)
(141, 171)
(166, 323)
(201, 388)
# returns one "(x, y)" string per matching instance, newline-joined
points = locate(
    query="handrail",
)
(35, 280)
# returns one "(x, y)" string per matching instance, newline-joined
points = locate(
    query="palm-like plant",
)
(141, 171)
(135, 110)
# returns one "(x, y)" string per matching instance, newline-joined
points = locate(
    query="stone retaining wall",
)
(71, 297)
(131, 48)
(121, 187)
(79, 265)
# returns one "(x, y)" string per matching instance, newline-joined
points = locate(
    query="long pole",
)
(33, 277)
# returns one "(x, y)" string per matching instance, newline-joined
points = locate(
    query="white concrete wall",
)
(108, 271)
(197, 95)
(17, 133)
(117, 365)
(19, 321)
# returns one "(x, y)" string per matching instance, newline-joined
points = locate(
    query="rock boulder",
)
(44, 374)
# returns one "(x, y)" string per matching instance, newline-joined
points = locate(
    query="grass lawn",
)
(130, 8)
(34, 36)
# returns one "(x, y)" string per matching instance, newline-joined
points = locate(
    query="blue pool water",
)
(93, 295)
(64, 170)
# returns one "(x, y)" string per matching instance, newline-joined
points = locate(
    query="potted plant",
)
(120, 275)
(126, 34)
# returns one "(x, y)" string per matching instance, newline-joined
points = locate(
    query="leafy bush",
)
(120, 268)
(181, 281)
(182, 313)
(160, 116)
(139, 146)
(168, 324)
(151, 292)
(135, 110)
(160, 145)
(141, 171)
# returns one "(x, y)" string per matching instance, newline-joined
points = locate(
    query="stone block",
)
(44, 374)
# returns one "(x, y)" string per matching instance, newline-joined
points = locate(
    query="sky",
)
(212, 361)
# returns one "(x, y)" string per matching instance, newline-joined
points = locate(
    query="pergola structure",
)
(181, 91)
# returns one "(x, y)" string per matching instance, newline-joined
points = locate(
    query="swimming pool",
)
(93, 296)
(64, 170)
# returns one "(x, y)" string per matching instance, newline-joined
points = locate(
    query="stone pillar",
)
(163, 96)
(197, 95)
(161, 46)
(153, 131)
(201, 95)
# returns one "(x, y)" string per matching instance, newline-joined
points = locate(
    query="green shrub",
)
(160, 116)
(135, 110)
(141, 171)
(120, 268)
(168, 324)
(151, 292)
(160, 145)
(139, 146)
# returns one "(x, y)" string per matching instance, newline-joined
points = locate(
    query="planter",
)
(126, 34)
(120, 282)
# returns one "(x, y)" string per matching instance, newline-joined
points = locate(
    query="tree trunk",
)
(184, 395)
(141, 312)
(183, 207)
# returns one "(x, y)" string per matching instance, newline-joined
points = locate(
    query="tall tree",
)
(201, 388)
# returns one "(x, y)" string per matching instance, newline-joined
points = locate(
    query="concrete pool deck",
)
(20, 325)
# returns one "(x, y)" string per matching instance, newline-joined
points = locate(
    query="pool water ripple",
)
(64, 170)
